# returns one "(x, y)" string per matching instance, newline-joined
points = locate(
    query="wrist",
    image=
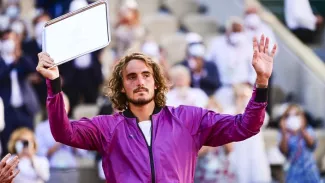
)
(54, 77)
(261, 82)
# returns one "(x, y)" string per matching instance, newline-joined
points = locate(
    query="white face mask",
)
(12, 11)
(192, 63)
(39, 32)
(237, 38)
(19, 146)
(293, 123)
(7, 46)
(253, 21)
(18, 27)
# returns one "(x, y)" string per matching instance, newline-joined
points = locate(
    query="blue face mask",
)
(12, 11)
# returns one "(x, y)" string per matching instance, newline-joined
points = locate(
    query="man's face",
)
(138, 83)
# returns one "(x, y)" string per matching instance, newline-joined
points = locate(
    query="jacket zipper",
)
(153, 178)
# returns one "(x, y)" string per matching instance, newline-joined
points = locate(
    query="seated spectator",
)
(301, 20)
(232, 53)
(250, 155)
(33, 168)
(31, 48)
(129, 32)
(61, 157)
(182, 93)
(204, 74)
(297, 143)
(254, 26)
(19, 100)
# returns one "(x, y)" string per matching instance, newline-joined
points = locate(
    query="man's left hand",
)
(263, 60)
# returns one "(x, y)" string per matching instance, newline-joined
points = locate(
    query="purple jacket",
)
(177, 135)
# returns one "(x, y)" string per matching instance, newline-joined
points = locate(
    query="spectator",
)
(204, 74)
(32, 48)
(33, 168)
(232, 54)
(19, 101)
(254, 26)
(297, 143)
(301, 20)
(8, 168)
(129, 32)
(61, 157)
(252, 165)
(182, 93)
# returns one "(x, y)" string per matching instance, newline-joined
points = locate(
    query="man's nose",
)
(140, 81)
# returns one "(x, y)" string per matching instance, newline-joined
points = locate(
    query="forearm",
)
(309, 139)
(81, 133)
(284, 144)
(59, 122)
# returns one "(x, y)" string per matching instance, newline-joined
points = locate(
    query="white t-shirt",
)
(146, 130)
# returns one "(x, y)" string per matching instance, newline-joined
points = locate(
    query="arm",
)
(309, 138)
(212, 129)
(42, 168)
(83, 134)
(284, 143)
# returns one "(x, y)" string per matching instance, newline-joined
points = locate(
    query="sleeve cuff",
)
(261, 95)
(53, 86)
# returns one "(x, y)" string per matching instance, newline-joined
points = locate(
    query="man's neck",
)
(143, 112)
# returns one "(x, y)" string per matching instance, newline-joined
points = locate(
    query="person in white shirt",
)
(182, 93)
(255, 26)
(33, 168)
(232, 54)
(301, 20)
(250, 157)
(61, 157)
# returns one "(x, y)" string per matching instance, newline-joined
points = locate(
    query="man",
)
(301, 20)
(232, 54)
(8, 169)
(148, 141)
(19, 101)
(204, 74)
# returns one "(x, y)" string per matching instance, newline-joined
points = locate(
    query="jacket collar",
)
(128, 113)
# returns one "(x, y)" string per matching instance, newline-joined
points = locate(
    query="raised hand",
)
(8, 169)
(44, 63)
(263, 60)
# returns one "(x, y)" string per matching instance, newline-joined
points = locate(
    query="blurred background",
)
(205, 50)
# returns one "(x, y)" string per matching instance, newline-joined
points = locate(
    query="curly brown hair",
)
(115, 82)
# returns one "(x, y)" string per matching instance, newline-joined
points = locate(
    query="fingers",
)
(4, 160)
(14, 174)
(261, 48)
(274, 50)
(266, 48)
(255, 45)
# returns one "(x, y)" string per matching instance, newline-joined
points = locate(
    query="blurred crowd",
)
(215, 72)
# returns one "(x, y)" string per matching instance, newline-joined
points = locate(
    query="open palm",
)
(262, 59)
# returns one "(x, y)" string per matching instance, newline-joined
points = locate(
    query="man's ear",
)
(122, 90)
(156, 87)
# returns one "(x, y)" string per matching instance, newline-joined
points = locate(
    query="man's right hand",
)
(8, 169)
(44, 63)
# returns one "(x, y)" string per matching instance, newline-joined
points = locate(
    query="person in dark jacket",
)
(14, 88)
(204, 74)
(148, 141)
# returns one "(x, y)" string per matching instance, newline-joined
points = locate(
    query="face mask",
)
(7, 46)
(18, 27)
(39, 32)
(293, 123)
(237, 38)
(192, 63)
(12, 11)
(253, 21)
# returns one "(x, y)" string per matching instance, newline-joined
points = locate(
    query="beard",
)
(141, 101)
